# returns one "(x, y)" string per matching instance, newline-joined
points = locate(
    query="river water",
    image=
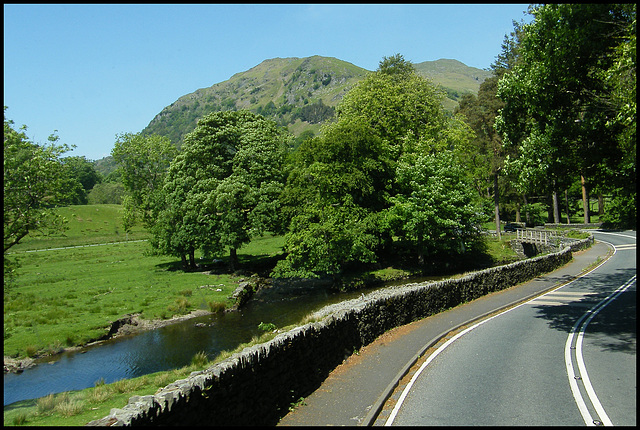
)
(169, 347)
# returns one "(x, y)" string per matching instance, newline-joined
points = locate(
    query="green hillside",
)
(455, 77)
(299, 93)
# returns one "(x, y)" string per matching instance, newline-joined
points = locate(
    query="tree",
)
(223, 188)
(335, 191)
(434, 211)
(400, 106)
(85, 173)
(395, 65)
(142, 163)
(619, 175)
(35, 181)
(555, 97)
(484, 156)
(106, 193)
(177, 231)
(343, 183)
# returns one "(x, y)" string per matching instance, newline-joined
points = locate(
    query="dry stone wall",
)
(257, 385)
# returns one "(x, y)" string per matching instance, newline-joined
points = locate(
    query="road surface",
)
(565, 358)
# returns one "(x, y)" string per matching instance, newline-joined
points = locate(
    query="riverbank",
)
(127, 325)
(133, 323)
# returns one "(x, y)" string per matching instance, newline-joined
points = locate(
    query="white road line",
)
(564, 298)
(615, 234)
(406, 390)
(570, 293)
(584, 376)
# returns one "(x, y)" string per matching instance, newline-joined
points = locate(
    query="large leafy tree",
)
(35, 181)
(222, 189)
(556, 102)
(618, 174)
(399, 105)
(85, 173)
(336, 188)
(343, 185)
(142, 164)
(484, 156)
(434, 212)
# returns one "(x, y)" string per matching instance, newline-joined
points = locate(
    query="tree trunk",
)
(233, 259)
(566, 202)
(527, 215)
(556, 209)
(192, 259)
(585, 200)
(518, 218)
(496, 200)
(600, 204)
(185, 265)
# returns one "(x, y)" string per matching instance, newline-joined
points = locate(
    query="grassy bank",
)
(70, 296)
(76, 408)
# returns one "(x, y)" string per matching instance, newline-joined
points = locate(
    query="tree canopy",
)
(350, 190)
(222, 189)
(400, 106)
(337, 184)
(561, 111)
(85, 173)
(142, 163)
(35, 181)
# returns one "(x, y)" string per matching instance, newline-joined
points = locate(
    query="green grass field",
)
(87, 224)
(69, 296)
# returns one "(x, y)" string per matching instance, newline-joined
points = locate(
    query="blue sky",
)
(94, 71)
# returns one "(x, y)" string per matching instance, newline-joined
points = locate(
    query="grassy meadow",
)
(87, 224)
(66, 297)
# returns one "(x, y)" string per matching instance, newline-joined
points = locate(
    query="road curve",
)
(567, 357)
(358, 391)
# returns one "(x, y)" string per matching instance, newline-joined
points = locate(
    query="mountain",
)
(455, 77)
(299, 93)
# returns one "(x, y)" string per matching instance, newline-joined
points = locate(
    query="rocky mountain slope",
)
(299, 93)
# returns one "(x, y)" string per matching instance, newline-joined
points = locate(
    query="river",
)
(169, 347)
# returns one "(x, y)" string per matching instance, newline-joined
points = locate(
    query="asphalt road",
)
(567, 357)
(364, 388)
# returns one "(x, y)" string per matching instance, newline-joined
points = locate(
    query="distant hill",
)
(299, 93)
(455, 77)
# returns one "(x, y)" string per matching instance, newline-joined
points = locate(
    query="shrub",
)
(46, 404)
(99, 394)
(181, 306)
(217, 307)
(267, 326)
(20, 419)
(69, 408)
(31, 350)
(200, 359)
